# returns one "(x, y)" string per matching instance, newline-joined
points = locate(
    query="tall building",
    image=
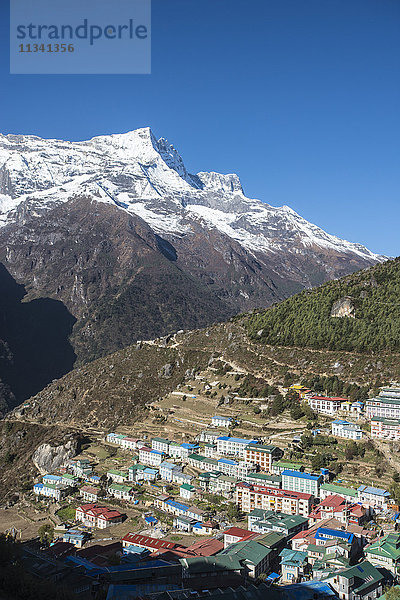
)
(385, 429)
(301, 482)
(249, 497)
(386, 405)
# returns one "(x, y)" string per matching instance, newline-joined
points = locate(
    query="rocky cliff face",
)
(343, 307)
(47, 458)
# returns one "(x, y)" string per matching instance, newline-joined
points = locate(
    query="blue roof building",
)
(297, 481)
(376, 497)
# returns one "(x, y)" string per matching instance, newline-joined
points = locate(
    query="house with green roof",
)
(264, 521)
(136, 472)
(263, 479)
(213, 572)
(224, 484)
(160, 444)
(255, 556)
(202, 463)
(360, 582)
(208, 476)
(332, 489)
(69, 480)
(281, 465)
(187, 491)
(122, 492)
(385, 552)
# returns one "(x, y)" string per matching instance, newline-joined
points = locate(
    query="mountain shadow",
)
(34, 341)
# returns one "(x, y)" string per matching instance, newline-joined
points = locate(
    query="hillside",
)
(118, 389)
(360, 312)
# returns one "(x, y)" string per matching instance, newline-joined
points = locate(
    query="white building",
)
(375, 497)
(180, 478)
(232, 446)
(187, 491)
(128, 443)
(92, 515)
(53, 480)
(167, 471)
(326, 404)
(223, 484)
(385, 429)
(115, 438)
(345, 429)
(301, 482)
(89, 493)
(150, 457)
(386, 405)
(122, 492)
(160, 444)
(117, 476)
(210, 450)
(49, 490)
(69, 480)
(209, 436)
(218, 421)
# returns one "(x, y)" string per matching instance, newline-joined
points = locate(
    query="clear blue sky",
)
(299, 97)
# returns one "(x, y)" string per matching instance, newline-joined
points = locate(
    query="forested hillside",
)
(372, 299)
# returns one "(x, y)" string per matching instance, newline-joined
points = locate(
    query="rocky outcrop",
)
(343, 307)
(48, 458)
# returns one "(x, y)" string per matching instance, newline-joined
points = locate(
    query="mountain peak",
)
(220, 182)
(146, 176)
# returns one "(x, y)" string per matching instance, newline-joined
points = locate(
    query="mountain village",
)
(220, 515)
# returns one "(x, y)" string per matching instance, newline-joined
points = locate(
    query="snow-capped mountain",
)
(112, 240)
(147, 177)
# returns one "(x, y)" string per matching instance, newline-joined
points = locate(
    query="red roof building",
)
(236, 534)
(207, 547)
(93, 515)
(337, 507)
(152, 544)
(249, 497)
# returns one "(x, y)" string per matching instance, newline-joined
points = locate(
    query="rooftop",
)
(300, 474)
(337, 489)
(372, 490)
(226, 438)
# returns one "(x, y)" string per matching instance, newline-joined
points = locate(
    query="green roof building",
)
(331, 489)
(264, 479)
(264, 521)
(255, 556)
(281, 465)
(385, 552)
(362, 581)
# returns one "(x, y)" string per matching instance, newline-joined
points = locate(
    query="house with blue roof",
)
(218, 421)
(152, 458)
(323, 534)
(168, 469)
(49, 490)
(75, 537)
(53, 479)
(294, 565)
(150, 474)
(297, 481)
(347, 430)
(187, 449)
(376, 497)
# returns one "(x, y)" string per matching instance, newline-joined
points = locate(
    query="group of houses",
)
(302, 529)
(382, 411)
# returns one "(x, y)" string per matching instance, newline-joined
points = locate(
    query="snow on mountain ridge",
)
(148, 177)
